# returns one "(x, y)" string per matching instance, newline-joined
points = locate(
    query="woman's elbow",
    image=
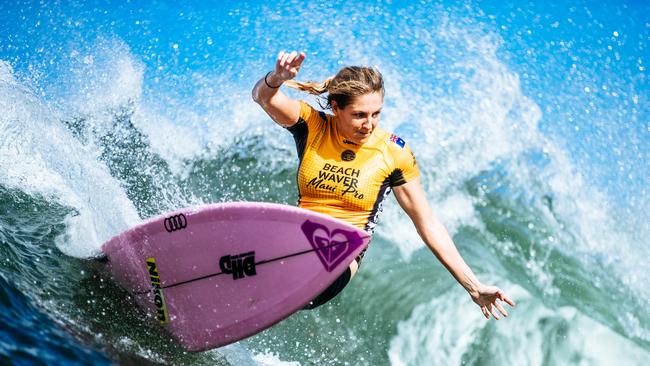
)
(255, 94)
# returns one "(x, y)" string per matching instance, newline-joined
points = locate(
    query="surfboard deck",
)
(215, 274)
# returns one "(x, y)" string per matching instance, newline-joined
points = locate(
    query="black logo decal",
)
(348, 155)
(174, 223)
(240, 265)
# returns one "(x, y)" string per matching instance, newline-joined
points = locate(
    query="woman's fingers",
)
(283, 61)
(278, 63)
(300, 59)
(485, 312)
(489, 301)
(292, 56)
(295, 60)
(288, 63)
(296, 63)
(500, 307)
(493, 312)
(279, 59)
(505, 298)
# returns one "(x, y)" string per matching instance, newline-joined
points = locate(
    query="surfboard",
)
(215, 274)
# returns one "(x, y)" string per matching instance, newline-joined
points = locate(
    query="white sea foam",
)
(271, 359)
(451, 330)
(104, 77)
(39, 155)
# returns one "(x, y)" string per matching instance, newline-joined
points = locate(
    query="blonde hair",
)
(349, 83)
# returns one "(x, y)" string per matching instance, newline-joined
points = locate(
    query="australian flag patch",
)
(398, 140)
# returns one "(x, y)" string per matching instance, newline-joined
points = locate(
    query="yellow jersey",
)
(342, 179)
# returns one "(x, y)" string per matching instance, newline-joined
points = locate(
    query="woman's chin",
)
(362, 139)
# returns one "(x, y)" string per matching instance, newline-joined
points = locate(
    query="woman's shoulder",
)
(307, 111)
(389, 140)
(397, 153)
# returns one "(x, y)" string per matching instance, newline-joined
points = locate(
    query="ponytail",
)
(310, 87)
(349, 83)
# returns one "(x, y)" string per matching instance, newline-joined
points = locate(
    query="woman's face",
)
(358, 120)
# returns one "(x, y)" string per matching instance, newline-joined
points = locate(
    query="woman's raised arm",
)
(282, 109)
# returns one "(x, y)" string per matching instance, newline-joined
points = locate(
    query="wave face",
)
(530, 126)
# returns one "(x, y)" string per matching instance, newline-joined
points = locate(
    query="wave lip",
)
(40, 156)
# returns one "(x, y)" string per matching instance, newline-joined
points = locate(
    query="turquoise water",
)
(531, 125)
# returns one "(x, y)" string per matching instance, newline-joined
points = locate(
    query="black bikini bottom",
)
(334, 289)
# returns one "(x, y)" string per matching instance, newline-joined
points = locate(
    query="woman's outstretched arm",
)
(412, 199)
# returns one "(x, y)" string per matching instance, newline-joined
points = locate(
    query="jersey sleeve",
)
(406, 168)
(309, 121)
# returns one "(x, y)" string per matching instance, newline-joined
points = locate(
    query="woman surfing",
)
(348, 166)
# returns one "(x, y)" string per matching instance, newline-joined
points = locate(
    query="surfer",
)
(348, 165)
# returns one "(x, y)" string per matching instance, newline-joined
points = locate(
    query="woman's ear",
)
(335, 107)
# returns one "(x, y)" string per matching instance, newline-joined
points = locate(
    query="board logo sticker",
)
(398, 140)
(331, 247)
(240, 265)
(158, 298)
(177, 222)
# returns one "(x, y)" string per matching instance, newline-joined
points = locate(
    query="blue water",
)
(530, 122)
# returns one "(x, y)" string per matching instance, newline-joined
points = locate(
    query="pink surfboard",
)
(214, 274)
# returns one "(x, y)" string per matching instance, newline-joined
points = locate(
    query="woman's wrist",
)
(272, 80)
(473, 287)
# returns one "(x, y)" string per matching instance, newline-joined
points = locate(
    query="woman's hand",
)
(486, 297)
(266, 92)
(286, 67)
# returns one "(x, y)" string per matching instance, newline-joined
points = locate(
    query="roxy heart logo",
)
(331, 247)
